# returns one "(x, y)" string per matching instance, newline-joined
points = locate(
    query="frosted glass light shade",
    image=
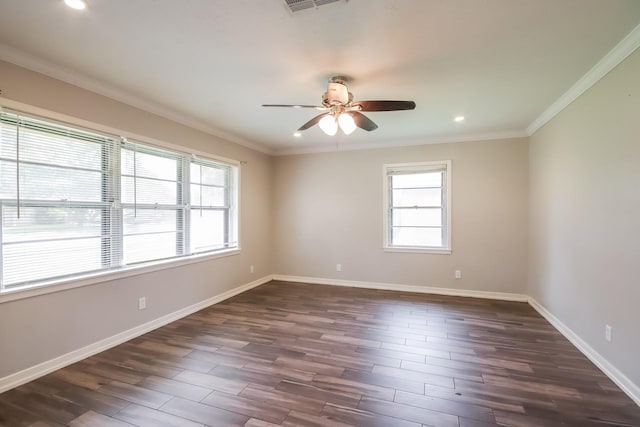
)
(346, 123)
(328, 125)
(76, 4)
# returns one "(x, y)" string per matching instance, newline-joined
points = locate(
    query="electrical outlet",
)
(458, 274)
(338, 267)
(607, 332)
(142, 303)
(251, 269)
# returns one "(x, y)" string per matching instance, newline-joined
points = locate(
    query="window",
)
(417, 206)
(212, 225)
(73, 202)
(152, 203)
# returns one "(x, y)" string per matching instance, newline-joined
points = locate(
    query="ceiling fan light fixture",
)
(76, 4)
(347, 124)
(328, 124)
(340, 110)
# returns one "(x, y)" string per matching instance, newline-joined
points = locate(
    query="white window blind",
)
(417, 205)
(74, 201)
(55, 200)
(212, 202)
(152, 208)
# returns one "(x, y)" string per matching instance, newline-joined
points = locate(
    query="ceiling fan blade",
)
(385, 105)
(312, 122)
(317, 107)
(363, 122)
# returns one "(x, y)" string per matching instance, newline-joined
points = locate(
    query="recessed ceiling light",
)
(458, 119)
(297, 134)
(76, 4)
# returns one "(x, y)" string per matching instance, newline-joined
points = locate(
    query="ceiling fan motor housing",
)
(336, 93)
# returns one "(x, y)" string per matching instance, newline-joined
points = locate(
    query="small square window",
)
(417, 201)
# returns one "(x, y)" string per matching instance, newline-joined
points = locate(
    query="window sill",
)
(52, 286)
(443, 251)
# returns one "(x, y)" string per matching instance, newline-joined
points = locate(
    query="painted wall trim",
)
(615, 56)
(621, 380)
(632, 390)
(79, 281)
(31, 373)
(34, 372)
(38, 65)
(471, 137)
(504, 296)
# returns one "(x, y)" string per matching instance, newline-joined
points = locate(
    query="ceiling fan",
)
(341, 111)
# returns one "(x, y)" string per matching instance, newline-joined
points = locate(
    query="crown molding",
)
(615, 56)
(332, 147)
(64, 74)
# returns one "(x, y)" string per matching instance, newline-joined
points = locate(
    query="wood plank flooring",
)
(307, 355)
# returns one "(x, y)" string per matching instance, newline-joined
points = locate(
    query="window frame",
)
(58, 283)
(179, 205)
(231, 226)
(418, 167)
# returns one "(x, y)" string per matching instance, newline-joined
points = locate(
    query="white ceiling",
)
(212, 63)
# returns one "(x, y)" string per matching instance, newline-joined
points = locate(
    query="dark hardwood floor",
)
(309, 355)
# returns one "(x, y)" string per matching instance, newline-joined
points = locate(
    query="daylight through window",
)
(417, 206)
(74, 202)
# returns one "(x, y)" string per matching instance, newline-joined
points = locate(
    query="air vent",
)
(298, 5)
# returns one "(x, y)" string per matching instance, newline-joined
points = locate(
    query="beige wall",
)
(328, 210)
(37, 329)
(585, 216)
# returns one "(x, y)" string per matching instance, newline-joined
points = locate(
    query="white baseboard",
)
(30, 374)
(621, 380)
(505, 296)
